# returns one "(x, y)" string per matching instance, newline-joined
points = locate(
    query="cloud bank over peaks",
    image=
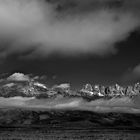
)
(37, 27)
(18, 77)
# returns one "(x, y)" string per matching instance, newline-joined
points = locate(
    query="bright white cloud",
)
(34, 24)
(18, 77)
(63, 86)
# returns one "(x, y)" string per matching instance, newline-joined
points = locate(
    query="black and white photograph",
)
(69, 69)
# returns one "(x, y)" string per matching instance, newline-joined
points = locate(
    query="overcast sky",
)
(71, 40)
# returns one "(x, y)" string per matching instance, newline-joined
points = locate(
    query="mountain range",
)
(22, 85)
(25, 101)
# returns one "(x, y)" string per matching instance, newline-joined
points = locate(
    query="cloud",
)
(35, 27)
(137, 70)
(124, 105)
(18, 77)
(132, 75)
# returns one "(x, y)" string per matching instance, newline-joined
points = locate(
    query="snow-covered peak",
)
(87, 92)
(100, 94)
(40, 85)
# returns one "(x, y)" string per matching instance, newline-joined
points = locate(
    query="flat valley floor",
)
(67, 134)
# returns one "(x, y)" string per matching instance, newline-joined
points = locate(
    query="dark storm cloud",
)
(66, 27)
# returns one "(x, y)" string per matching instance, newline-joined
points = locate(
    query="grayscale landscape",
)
(31, 110)
(69, 69)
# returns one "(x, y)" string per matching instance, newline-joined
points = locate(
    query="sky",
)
(71, 41)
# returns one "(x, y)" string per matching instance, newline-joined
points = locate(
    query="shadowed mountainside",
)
(67, 119)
